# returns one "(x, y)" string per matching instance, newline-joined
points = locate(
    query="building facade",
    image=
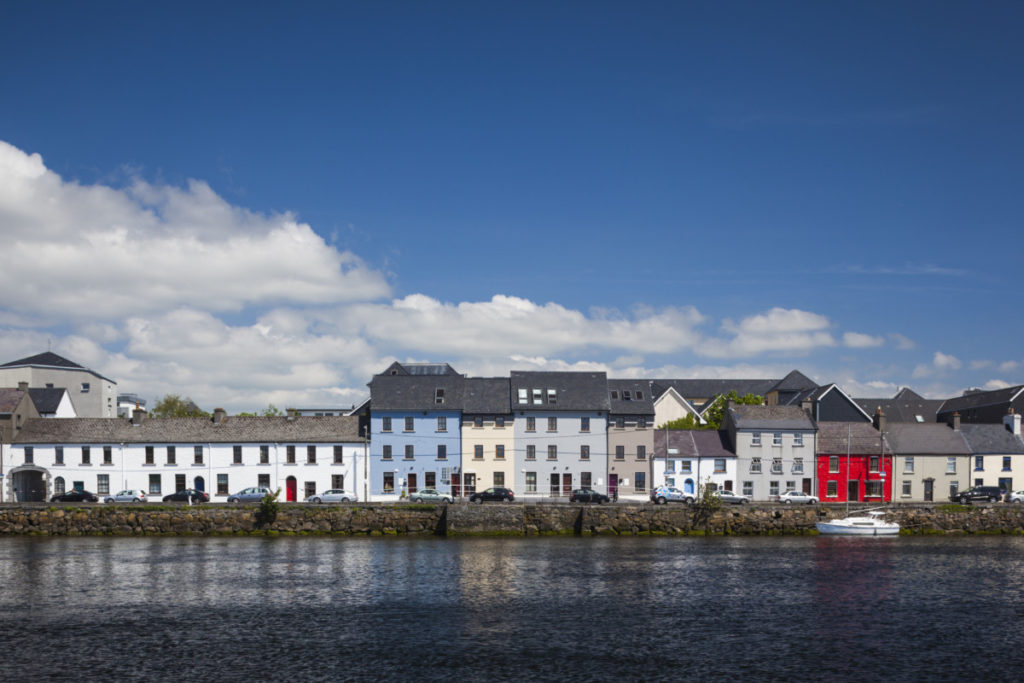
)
(775, 449)
(92, 394)
(853, 463)
(630, 438)
(488, 434)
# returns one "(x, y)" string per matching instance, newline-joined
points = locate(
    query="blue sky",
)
(258, 202)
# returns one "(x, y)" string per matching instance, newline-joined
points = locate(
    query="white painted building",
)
(775, 449)
(220, 455)
(687, 459)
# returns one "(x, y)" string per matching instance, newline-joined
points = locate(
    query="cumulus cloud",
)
(1009, 366)
(856, 340)
(99, 253)
(994, 384)
(791, 331)
(941, 362)
(901, 342)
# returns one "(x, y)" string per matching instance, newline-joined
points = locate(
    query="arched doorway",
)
(291, 488)
(199, 484)
(688, 486)
(28, 484)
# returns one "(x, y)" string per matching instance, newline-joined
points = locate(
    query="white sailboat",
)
(863, 523)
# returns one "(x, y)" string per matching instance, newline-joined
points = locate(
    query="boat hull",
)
(839, 528)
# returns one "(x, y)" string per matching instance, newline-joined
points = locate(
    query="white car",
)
(333, 496)
(1015, 497)
(798, 497)
(127, 496)
(670, 494)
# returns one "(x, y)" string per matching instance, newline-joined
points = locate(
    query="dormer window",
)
(639, 395)
(615, 394)
(438, 395)
(523, 398)
(538, 397)
(626, 395)
(551, 397)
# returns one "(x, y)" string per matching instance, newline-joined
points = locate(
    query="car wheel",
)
(993, 499)
(743, 501)
(136, 500)
(232, 500)
(344, 500)
(688, 501)
(109, 500)
(963, 501)
(661, 500)
(787, 501)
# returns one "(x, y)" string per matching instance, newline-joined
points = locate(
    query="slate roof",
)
(416, 392)
(486, 395)
(419, 369)
(620, 406)
(991, 438)
(979, 399)
(795, 381)
(235, 430)
(904, 407)
(929, 438)
(9, 400)
(710, 388)
(47, 400)
(574, 390)
(771, 417)
(51, 360)
(692, 443)
(864, 439)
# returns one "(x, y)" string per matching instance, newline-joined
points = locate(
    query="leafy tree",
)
(688, 422)
(270, 411)
(714, 413)
(173, 405)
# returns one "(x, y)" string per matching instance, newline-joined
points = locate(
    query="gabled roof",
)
(856, 438)
(691, 389)
(486, 396)
(834, 389)
(174, 430)
(771, 417)
(47, 400)
(672, 394)
(644, 405)
(930, 438)
(416, 392)
(51, 360)
(979, 399)
(9, 400)
(906, 406)
(795, 381)
(692, 443)
(991, 438)
(572, 390)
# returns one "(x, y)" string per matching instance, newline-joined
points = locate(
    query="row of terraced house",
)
(541, 434)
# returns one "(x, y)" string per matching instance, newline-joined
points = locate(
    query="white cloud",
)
(856, 340)
(979, 364)
(901, 342)
(98, 253)
(994, 384)
(780, 330)
(1009, 366)
(946, 362)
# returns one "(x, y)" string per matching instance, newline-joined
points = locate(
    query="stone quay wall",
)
(484, 520)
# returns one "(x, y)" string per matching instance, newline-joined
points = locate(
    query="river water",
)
(790, 608)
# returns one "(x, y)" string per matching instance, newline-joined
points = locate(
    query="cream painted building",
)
(488, 436)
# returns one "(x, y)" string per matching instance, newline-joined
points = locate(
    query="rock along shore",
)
(483, 520)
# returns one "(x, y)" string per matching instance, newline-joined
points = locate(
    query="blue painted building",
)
(415, 430)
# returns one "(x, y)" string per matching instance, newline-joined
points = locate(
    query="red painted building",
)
(853, 463)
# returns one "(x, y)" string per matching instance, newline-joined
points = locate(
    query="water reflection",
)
(474, 609)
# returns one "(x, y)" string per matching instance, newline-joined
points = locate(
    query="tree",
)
(713, 414)
(270, 411)
(173, 405)
(688, 422)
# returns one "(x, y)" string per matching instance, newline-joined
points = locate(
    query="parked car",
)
(333, 496)
(587, 496)
(734, 498)
(75, 496)
(187, 495)
(430, 496)
(798, 497)
(253, 494)
(670, 494)
(1015, 497)
(127, 496)
(499, 493)
(989, 493)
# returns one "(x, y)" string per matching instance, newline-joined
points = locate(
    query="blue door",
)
(688, 486)
(200, 484)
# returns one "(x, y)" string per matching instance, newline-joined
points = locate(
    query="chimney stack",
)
(879, 421)
(956, 421)
(1012, 422)
(138, 415)
(22, 386)
(218, 415)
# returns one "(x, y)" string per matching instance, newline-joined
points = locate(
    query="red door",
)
(613, 486)
(566, 485)
(291, 488)
(412, 483)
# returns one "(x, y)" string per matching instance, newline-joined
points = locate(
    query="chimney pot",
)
(23, 386)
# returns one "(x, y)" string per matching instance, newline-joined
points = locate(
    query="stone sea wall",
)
(483, 520)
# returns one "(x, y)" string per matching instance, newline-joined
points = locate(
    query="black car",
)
(493, 493)
(75, 496)
(587, 496)
(989, 493)
(185, 495)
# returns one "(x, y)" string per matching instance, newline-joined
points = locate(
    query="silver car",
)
(1015, 497)
(730, 497)
(798, 497)
(333, 496)
(253, 494)
(127, 496)
(430, 496)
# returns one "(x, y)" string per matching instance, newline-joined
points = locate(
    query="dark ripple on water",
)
(505, 609)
